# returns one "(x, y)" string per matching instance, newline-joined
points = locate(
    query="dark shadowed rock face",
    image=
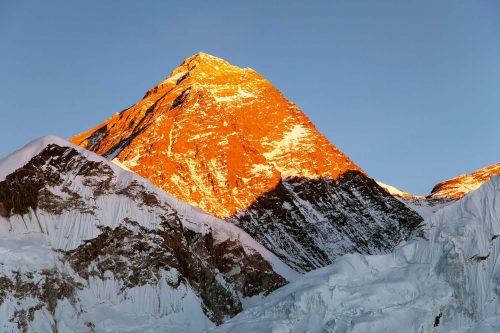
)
(309, 222)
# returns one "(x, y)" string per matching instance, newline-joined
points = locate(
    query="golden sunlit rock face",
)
(459, 186)
(216, 136)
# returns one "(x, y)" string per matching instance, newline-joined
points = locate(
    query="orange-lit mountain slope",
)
(216, 136)
(224, 139)
(459, 186)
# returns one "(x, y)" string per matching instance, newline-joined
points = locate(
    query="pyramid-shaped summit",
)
(216, 136)
(225, 140)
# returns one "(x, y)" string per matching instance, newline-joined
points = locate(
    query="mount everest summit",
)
(224, 139)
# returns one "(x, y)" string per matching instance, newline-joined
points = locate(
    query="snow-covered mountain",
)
(447, 281)
(86, 246)
(225, 140)
(217, 136)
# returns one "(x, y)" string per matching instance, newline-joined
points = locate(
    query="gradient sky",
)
(410, 90)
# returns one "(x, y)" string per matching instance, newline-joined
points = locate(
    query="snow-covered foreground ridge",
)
(448, 282)
(86, 246)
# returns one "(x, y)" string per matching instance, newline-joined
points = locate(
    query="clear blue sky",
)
(410, 90)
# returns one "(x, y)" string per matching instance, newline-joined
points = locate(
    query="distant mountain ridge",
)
(445, 192)
(455, 188)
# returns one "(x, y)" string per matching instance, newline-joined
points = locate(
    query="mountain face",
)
(310, 222)
(225, 140)
(459, 186)
(86, 246)
(216, 136)
(447, 281)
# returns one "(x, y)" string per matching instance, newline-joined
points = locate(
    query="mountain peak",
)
(205, 71)
(220, 131)
(225, 140)
(204, 61)
(20, 157)
(201, 57)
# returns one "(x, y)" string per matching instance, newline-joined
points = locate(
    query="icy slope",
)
(87, 246)
(397, 192)
(447, 283)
